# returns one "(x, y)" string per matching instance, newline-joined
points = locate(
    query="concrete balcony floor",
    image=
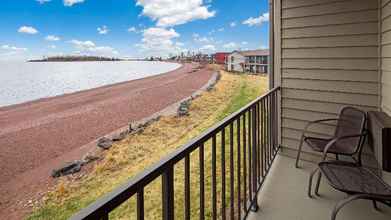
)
(284, 196)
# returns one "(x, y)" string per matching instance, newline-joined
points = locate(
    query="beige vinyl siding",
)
(329, 59)
(386, 56)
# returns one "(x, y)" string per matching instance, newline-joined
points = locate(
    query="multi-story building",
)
(254, 61)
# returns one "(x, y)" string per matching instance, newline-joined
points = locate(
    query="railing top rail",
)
(115, 198)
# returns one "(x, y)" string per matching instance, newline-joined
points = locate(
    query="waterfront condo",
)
(252, 61)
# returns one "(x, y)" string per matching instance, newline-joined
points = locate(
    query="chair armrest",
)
(334, 140)
(317, 122)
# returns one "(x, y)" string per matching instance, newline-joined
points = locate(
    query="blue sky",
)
(130, 28)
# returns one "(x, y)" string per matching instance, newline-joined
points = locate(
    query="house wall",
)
(238, 60)
(386, 55)
(329, 59)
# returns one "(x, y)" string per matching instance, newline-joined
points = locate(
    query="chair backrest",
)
(351, 121)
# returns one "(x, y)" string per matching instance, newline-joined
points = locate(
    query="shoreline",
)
(39, 135)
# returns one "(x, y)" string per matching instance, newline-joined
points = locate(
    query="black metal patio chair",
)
(347, 138)
(357, 181)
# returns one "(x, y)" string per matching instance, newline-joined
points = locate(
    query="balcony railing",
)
(247, 142)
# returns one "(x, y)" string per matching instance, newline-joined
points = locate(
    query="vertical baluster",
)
(105, 217)
(168, 193)
(244, 164)
(267, 132)
(272, 122)
(140, 204)
(223, 205)
(214, 182)
(231, 170)
(238, 161)
(275, 123)
(187, 187)
(249, 156)
(258, 144)
(270, 130)
(254, 159)
(202, 186)
(263, 151)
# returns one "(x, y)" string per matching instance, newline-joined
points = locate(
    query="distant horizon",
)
(130, 29)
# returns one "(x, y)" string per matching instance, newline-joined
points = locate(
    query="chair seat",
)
(353, 179)
(318, 144)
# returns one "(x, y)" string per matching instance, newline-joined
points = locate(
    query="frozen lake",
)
(24, 81)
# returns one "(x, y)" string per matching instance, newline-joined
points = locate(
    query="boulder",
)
(120, 136)
(105, 143)
(69, 168)
(131, 129)
(89, 158)
(183, 109)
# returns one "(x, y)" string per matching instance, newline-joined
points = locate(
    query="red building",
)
(219, 58)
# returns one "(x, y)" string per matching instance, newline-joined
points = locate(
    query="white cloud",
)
(203, 39)
(159, 42)
(27, 30)
(231, 45)
(43, 1)
(232, 24)
(70, 3)
(208, 48)
(52, 38)
(244, 42)
(103, 30)
(13, 48)
(169, 13)
(257, 21)
(52, 46)
(133, 29)
(90, 48)
(220, 29)
(198, 38)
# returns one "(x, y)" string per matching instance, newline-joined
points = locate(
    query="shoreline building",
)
(253, 61)
(220, 57)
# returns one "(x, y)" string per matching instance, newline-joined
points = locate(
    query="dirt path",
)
(38, 136)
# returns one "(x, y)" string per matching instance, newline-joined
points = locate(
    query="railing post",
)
(140, 204)
(168, 193)
(254, 160)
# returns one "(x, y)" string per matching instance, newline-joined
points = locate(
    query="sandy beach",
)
(37, 136)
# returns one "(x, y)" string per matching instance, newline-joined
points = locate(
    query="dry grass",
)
(139, 151)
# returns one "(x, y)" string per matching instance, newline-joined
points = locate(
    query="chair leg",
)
(299, 151)
(310, 182)
(342, 203)
(318, 183)
(375, 205)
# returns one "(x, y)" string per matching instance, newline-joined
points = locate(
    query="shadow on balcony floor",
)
(284, 197)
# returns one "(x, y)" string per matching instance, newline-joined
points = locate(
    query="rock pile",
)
(67, 169)
(105, 143)
(183, 109)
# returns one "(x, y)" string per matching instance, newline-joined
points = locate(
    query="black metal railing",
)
(243, 147)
